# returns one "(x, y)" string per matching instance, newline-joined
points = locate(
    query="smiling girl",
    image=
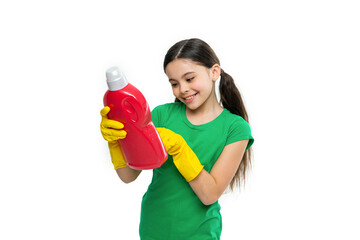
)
(207, 141)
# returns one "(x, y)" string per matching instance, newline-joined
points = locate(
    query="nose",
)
(184, 88)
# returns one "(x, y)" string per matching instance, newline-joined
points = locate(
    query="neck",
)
(207, 112)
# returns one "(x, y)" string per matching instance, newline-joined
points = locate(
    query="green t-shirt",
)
(170, 209)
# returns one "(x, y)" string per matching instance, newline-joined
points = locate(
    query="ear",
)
(215, 72)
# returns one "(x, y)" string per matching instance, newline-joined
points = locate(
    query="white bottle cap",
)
(115, 79)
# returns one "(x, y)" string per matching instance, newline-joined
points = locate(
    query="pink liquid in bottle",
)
(142, 147)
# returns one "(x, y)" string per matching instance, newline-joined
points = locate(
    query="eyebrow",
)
(184, 75)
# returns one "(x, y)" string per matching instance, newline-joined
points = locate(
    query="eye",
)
(174, 84)
(189, 79)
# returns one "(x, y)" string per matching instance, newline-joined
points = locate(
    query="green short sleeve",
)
(155, 116)
(240, 130)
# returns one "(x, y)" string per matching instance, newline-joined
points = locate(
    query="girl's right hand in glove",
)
(112, 131)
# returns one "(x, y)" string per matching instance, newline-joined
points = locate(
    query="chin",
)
(192, 107)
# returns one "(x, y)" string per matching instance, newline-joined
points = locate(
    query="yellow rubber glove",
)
(111, 131)
(184, 158)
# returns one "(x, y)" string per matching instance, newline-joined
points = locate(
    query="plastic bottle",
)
(142, 147)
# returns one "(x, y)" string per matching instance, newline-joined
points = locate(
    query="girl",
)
(208, 145)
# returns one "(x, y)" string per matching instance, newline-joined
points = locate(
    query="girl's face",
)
(192, 83)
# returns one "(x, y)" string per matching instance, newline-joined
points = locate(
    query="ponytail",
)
(230, 98)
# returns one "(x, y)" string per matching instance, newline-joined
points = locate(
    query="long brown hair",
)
(230, 97)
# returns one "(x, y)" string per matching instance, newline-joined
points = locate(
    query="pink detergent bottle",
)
(142, 147)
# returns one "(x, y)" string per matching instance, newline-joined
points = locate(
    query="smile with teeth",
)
(190, 98)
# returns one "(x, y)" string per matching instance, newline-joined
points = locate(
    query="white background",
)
(296, 64)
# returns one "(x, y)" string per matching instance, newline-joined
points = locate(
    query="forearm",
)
(206, 188)
(210, 186)
(127, 174)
